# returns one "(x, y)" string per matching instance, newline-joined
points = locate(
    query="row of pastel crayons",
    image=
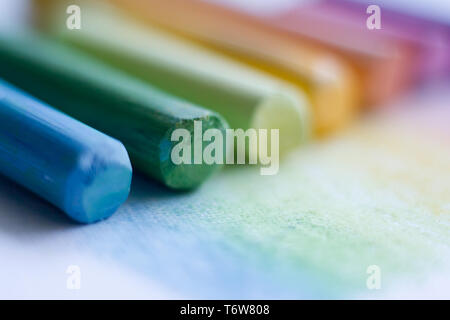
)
(177, 62)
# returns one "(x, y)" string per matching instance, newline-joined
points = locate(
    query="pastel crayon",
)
(388, 61)
(139, 115)
(429, 36)
(330, 84)
(80, 170)
(245, 97)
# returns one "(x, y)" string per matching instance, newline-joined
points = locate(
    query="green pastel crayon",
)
(140, 116)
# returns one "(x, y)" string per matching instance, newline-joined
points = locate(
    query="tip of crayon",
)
(290, 113)
(98, 186)
(190, 175)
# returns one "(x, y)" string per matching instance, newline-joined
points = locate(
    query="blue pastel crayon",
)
(82, 171)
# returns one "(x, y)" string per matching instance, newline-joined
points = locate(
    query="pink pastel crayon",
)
(342, 24)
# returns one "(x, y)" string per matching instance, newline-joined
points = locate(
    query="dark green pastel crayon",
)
(140, 116)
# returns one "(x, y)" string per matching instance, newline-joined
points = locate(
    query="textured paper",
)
(378, 194)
